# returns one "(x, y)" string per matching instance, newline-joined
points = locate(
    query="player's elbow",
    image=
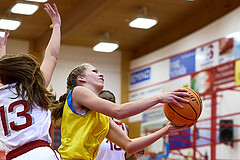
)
(129, 149)
(120, 114)
(129, 146)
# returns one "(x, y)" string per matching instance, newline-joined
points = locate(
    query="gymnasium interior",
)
(191, 43)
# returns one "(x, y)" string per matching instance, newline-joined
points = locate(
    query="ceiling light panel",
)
(9, 24)
(143, 23)
(23, 8)
(40, 1)
(105, 47)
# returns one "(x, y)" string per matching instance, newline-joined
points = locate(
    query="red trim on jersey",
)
(120, 124)
(25, 148)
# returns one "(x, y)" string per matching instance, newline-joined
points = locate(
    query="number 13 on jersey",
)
(12, 124)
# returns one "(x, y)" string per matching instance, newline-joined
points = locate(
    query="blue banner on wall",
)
(140, 76)
(182, 64)
(237, 46)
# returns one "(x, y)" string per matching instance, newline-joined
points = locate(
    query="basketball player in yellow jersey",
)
(87, 130)
(85, 120)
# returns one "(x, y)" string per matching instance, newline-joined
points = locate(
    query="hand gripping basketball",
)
(186, 115)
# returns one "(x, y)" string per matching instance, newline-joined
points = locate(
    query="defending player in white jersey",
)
(24, 100)
(108, 150)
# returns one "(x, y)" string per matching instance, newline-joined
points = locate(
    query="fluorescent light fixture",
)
(143, 23)
(40, 1)
(9, 24)
(105, 47)
(23, 8)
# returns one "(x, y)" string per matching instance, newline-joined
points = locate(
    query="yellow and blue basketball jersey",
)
(81, 134)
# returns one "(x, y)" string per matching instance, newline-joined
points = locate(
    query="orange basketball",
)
(186, 115)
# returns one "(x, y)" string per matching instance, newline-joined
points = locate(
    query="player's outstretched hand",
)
(53, 14)
(175, 96)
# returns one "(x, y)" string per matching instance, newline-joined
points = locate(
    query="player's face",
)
(94, 77)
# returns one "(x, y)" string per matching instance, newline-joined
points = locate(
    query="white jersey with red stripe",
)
(110, 151)
(18, 124)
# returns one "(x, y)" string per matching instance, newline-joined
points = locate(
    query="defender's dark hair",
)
(102, 95)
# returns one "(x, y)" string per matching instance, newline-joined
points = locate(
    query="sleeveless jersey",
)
(18, 124)
(81, 134)
(110, 151)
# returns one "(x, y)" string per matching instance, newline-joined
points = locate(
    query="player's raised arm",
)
(53, 47)
(3, 44)
(84, 96)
